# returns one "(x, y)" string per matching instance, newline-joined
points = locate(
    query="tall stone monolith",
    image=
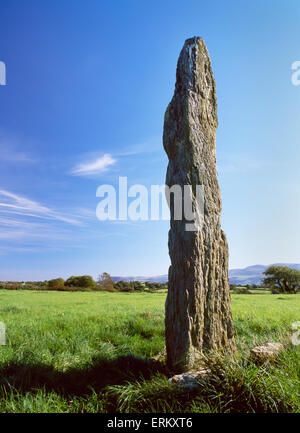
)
(198, 313)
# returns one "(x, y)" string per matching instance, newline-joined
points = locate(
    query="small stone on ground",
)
(266, 352)
(190, 379)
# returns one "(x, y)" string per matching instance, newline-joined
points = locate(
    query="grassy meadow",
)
(102, 352)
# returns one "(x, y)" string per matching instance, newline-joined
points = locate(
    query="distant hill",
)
(250, 275)
(158, 279)
(254, 274)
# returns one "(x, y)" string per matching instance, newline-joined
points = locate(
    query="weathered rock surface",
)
(189, 380)
(266, 352)
(198, 314)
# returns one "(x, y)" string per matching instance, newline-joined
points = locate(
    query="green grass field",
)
(93, 352)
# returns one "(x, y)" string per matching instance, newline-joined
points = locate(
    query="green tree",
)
(124, 286)
(105, 281)
(138, 286)
(81, 281)
(282, 279)
(56, 282)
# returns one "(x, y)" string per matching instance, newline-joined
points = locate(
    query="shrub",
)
(155, 286)
(104, 289)
(81, 281)
(241, 291)
(138, 286)
(124, 286)
(56, 283)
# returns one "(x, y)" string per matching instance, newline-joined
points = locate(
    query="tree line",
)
(278, 279)
(85, 283)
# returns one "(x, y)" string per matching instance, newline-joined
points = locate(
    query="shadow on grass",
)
(231, 386)
(26, 377)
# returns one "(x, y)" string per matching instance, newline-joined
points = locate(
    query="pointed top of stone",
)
(194, 75)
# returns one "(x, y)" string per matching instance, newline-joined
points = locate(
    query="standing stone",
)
(198, 314)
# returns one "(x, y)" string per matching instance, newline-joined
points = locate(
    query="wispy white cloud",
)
(12, 156)
(13, 203)
(85, 213)
(10, 152)
(97, 166)
(93, 163)
(151, 145)
(34, 233)
(14, 249)
(28, 226)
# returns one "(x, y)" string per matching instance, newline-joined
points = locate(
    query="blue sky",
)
(88, 83)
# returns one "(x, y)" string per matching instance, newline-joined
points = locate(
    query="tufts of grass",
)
(93, 352)
(233, 386)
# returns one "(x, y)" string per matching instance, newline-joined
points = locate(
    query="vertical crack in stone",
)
(198, 313)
